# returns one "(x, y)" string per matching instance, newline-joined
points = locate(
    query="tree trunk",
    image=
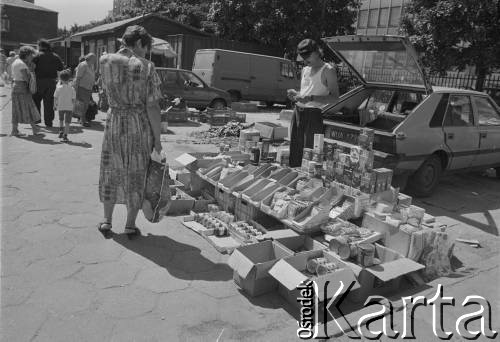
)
(481, 75)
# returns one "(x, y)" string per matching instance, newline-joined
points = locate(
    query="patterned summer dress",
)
(130, 82)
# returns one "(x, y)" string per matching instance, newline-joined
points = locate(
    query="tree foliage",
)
(189, 12)
(282, 23)
(455, 33)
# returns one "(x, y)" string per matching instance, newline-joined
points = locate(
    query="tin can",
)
(366, 254)
(325, 268)
(312, 264)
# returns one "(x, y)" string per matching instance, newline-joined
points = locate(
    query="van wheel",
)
(218, 104)
(235, 95)
(424, 181)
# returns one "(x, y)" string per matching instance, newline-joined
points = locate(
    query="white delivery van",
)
(247, 76)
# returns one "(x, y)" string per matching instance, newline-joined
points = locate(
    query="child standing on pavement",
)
(64, 101)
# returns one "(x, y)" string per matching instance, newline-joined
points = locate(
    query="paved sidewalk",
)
(62, 281)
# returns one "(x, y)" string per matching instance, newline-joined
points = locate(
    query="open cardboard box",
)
(197, 160)
(383, 278)
(290, 272)
(301, 243)
(251, 264)
(271, 130)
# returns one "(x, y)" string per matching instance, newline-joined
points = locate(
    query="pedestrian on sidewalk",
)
(84, 82)
(318, 87)
(47, 65)
(64, 102)
(23, 108)
(12, 57)
(132, 126)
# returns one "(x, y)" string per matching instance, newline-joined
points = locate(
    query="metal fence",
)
(491, 85)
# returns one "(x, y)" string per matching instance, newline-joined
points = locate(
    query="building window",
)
(5, 23)
(395, 16)
(373, 18)
(384, 17)
(363, 19)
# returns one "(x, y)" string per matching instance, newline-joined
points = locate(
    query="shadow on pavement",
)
(79, 144)
(142, 244)
(467, 198)
(39, 139)
(95, 126)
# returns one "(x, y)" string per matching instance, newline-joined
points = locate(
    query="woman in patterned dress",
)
(132, 126)
(23, 108)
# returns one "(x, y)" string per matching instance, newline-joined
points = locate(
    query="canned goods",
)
(366, 254)
(325, 268)
(307, 154)
(312, 264)
(317, 157)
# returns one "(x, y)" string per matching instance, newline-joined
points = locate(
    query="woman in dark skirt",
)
(23, 108)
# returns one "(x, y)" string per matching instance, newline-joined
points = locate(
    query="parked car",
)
(247, 76)
(186, 85)
(420, 131)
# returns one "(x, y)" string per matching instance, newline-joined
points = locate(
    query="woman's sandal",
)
(132, 231)
(104, 227)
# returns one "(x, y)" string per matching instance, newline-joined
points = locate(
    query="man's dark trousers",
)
(305, 123)
(45, 91)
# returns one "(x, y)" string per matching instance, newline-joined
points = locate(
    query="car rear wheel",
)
(424, 181)
(218, 104)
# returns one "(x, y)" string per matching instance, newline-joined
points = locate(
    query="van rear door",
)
(203, 65)
(264, 78)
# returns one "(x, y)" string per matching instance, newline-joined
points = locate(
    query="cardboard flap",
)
(185, 159)
(240, 263)
(393, 269)
(287, 275)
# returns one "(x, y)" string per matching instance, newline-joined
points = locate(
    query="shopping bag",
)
(91, 111)
(156, 192)
(103, 102)
(79, 108)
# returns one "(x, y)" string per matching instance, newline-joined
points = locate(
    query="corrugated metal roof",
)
(107, 27)
(112, 26)
(25, 4)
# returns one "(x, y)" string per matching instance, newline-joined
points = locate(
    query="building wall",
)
(26, 26)
(380, 17)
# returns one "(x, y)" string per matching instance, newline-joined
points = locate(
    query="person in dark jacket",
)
(47, 65)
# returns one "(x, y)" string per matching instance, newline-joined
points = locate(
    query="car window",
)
(190, 80)
(168, 77)
(486, 112)
(459, 112)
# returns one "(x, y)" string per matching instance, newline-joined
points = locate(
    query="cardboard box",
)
(383, 278)
(290, 272)
(251, 264)
(301, 243)
(370, 221)
(271, 131)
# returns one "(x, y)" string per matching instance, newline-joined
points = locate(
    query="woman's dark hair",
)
(44, 45)
(65, 75)
(26, 51)
(134, 33)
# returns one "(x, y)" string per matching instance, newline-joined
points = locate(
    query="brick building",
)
(23, 22)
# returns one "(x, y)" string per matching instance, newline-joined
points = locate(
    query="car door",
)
(488, 118)
(170, 85)
(461, 134)
(195, 93)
